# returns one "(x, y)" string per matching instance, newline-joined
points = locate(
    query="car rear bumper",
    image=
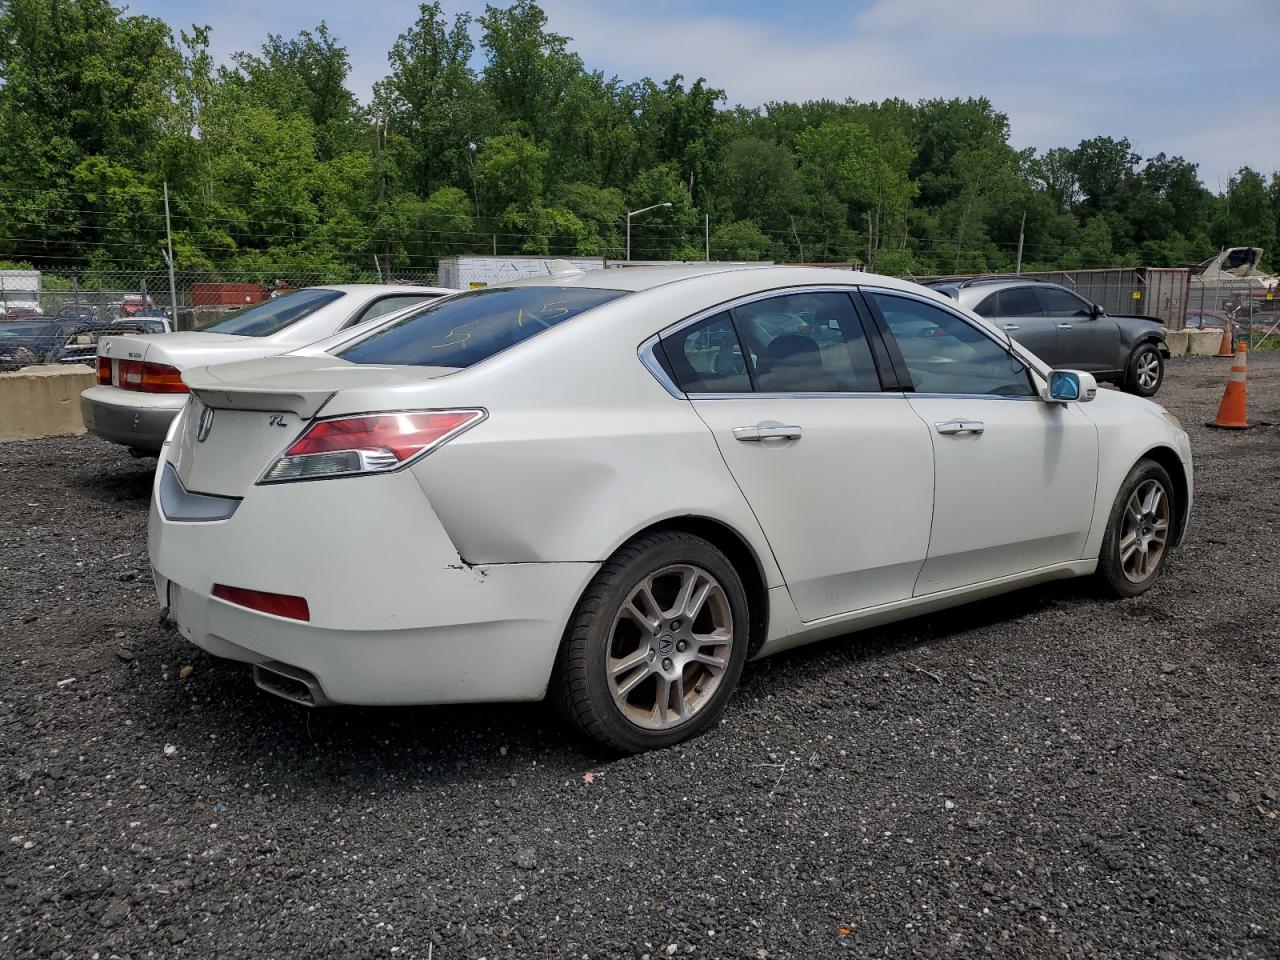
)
(397, 617)
(139, 421)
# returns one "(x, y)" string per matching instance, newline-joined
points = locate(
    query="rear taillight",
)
(374, 443)
(276, 604)
(148, 377)
(104, 371)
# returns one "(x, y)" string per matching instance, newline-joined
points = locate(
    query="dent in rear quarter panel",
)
(1129, 428)
(535, 486)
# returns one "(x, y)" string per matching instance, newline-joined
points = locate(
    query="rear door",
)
(838, 470)
(1015, 476)
(1085, 342)
(1018, 312)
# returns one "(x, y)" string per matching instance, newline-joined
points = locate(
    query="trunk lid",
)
(242, 416)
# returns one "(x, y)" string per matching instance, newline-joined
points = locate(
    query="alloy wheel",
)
(1148, 370)
(1144, 531)
(669, 646)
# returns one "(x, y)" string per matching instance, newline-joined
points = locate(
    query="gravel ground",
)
(1045, 774)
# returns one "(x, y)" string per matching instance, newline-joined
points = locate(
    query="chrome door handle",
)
(952, 427)
(767, 431)
(1012, 326)
(1064, 326)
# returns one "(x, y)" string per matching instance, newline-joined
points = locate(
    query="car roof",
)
(636, 279)
(378, 288)
(970, 289)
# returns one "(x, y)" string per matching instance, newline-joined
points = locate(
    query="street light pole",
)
(633, 213)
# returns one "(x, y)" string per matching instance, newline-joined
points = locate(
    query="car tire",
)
(1145, 371)
(628, 645)
(1138, 539)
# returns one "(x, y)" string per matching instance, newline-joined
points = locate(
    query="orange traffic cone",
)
(1224, 348)
(1231, 412)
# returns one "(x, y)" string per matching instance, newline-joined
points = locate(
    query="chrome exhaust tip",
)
(290, 683)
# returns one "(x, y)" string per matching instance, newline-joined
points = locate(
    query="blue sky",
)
(1179, 76)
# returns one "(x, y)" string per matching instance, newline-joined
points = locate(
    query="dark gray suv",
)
(1065, 330)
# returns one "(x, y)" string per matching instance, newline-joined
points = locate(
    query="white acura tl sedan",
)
(140, 388)
(620, 486)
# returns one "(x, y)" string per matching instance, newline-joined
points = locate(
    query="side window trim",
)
(909, 385)
(652, 353)
(884, 350)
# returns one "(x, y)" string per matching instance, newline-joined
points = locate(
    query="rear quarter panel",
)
(582, 446)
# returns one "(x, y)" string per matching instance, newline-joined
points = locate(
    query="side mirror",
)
(1071, 386)
(1096, 311)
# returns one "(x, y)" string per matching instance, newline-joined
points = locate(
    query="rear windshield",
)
(266, 318)
(465, 329)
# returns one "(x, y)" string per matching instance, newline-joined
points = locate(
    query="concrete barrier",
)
(1194, 343)
(43, 401)
(1204, 343)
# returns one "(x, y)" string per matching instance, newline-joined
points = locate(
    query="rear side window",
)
(463, 330)
(1017, 302)
(272, 316)
(380, 308)
(807, 343)
(707, 358)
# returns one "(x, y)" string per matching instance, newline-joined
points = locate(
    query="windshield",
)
(270, 316)
(470, 327)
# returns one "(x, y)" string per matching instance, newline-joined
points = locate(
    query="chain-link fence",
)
(58, 316)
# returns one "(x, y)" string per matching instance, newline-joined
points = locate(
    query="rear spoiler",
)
(215, 392)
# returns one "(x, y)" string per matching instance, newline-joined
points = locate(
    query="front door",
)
(1016, 476)
(838, 473)
(1085, 341)
(1017, 311)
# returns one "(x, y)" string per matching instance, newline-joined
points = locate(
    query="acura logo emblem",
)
(205, 424)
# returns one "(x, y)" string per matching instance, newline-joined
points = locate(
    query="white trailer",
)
(19, 288)
(473, 272)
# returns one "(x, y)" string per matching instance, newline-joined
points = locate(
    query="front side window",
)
(1060, 303)
(272, 316)
(462, 330)
(807, 343)
(944, 354)
(707, 358)
(1018, 302)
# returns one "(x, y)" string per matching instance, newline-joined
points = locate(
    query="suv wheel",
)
(655, 646)
(1145, 372)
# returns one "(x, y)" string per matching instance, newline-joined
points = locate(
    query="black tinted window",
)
(1018, 302)
(1060, 303)
(944, 354)
(807, 343)
(270, 316)
(465, 329)
(706, 357)
(988, 307)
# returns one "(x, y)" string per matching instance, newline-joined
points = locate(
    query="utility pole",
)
(706, 232)
(379, 144)
(1021, 232)
(168, 256)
